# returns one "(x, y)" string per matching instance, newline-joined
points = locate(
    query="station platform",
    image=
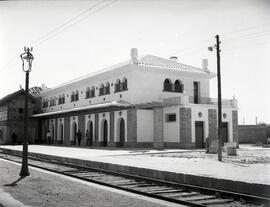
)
(238, 174)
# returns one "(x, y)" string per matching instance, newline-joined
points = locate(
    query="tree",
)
(35, 90)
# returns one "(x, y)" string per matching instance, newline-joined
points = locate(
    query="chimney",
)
(134, 55)
(174, 58)
(205, 65)
(43, 87)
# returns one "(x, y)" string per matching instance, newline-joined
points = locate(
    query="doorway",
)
(199, 137)
(61, 133)
(105, 133)
(74, 131)
(122, 132)
(52, 134)
(224, 132)
(91, 133)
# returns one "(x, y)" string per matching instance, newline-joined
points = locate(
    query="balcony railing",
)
(207, 100)
(200, 100)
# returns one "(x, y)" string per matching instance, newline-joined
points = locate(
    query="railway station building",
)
(146, 101)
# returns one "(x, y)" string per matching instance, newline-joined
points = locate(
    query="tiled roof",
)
(12, 95)
(158, 62)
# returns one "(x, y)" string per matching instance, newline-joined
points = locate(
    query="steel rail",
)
(140, 182)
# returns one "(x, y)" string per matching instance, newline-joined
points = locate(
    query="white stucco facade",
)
(119, 102)
(144, 125)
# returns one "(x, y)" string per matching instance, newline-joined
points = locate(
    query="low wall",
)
(253, 133)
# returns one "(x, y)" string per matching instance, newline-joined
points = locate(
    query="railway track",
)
(173, 192)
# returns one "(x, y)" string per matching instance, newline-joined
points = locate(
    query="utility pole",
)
(217, 47)
(219, 100)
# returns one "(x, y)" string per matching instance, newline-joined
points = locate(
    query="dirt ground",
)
(244, 157)
(45, 190)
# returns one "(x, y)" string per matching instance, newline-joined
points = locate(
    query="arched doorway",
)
(122, 132)
(74, 131)
(61, 133)
(105, 133)
(45, 133)
(90, 136)
(52, 132)
(167, 85)
(91, 132)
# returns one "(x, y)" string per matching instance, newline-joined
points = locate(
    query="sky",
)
(74, 38)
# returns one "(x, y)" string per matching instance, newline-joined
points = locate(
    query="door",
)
(61, 133)
(74, 132)
(224, 132)
(196, 92)
(122, 132)
(91, 133)
(105, 133)
(52, 133)
(199, 134)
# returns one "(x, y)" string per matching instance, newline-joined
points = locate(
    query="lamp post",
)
(219, 96)
(27, 59)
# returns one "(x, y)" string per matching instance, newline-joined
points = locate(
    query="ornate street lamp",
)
(27, 59)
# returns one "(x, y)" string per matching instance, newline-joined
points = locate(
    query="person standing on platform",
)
(79, 136)
(49, 137)
(87, 137)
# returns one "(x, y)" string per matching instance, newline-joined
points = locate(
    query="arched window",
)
(117, 85)
(167, 86)
(46, 103)
(59, 100)
(178, 86)
(92, 93)
(107, 88)
(52, 101)
(124, 84)
(63, 98)
(87, 93)
(72, 98)
(76, 95)
(101, 89)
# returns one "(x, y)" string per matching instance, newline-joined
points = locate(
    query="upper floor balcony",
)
(184, 99)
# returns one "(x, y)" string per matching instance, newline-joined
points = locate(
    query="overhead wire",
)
(66, 25)
(196, 46)
(228, 40)
(76, 22)
(67, 22)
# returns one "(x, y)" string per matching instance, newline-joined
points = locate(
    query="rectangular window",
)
(170, 117)
(196, 92)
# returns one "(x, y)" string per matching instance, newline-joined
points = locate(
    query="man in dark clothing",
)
(87, 137)
(14, 138)
(79, 136)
